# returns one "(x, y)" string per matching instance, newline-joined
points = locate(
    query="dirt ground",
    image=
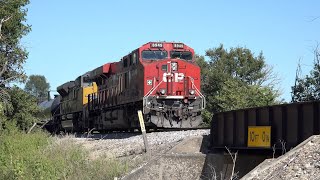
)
(129, 147)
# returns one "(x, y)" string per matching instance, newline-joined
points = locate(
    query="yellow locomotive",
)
(72, 107)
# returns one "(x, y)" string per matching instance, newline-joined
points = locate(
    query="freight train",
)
(159, 78)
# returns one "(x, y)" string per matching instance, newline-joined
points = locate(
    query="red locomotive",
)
(160, 78)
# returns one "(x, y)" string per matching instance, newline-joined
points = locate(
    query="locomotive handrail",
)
(203, 99)
(153, 88)
(200, 94)
(149, 93)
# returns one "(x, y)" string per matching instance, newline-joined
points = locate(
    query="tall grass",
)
(39, 156)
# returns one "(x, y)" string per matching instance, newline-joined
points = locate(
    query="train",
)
(160, 78)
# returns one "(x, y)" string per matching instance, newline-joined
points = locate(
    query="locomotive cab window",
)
(75, 94)
(86, 81)
(154, 55)
(186, 55)
(131, 60)
(125, 62)
(134, 58)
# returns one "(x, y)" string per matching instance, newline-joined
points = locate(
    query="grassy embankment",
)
(39, 156)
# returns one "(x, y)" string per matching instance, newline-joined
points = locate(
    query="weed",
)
(39, 156)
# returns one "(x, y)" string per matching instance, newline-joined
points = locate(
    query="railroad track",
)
(179, 129)
(125, 134)
(42, 124)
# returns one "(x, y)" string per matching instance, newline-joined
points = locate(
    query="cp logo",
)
(177, 77)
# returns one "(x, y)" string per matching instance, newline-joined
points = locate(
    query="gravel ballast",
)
(302, 162)
(126, 144)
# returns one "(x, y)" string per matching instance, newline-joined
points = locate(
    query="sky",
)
(69, 38)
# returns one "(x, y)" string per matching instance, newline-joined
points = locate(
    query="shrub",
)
(39, 156)
(24, 108)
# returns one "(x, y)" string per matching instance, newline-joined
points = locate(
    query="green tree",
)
(37, 86)
(12, 29)
(308, 87)
(23, 108)
(12, 55)
(235, 79)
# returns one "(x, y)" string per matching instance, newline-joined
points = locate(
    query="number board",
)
(178, 46)
(156, 45)
(259, 136)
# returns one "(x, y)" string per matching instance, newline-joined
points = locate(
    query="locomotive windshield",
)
(154, 55)
(186, 55)
(86, 81)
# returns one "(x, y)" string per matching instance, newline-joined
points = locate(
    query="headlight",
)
(162, 91)
(191, 91)
(174, 66)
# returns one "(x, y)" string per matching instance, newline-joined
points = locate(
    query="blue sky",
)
(71, 37)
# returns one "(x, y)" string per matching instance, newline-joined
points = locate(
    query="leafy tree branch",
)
(236, 78)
